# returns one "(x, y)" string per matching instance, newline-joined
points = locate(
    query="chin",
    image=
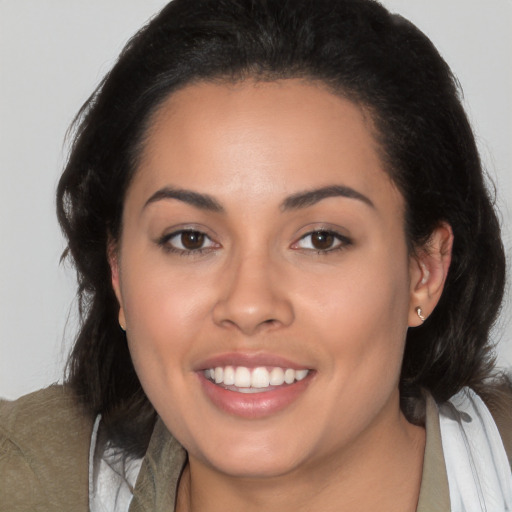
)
(252, 468)
(248, 460)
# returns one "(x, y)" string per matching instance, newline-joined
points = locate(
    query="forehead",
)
(252, 138)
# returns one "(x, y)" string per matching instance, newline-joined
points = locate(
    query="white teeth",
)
(299, 374)
(229, 376)
(277, 377)
(251, 380)
(289, 376)
(260, 378)
(242, 377)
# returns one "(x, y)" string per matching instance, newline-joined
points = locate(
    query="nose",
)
(253, 297)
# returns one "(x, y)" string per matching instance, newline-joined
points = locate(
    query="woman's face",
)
(263, 248)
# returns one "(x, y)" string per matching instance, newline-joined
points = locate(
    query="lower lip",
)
(254, 405)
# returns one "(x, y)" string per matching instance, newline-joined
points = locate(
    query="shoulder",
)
(44, 449)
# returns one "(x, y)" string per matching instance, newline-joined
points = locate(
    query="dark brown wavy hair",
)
(358, 50)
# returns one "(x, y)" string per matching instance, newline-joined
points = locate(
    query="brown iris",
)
(192, 240)
(322, 240)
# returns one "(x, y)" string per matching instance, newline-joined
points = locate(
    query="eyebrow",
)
(293, 202)
(311, 197)
(201, 201)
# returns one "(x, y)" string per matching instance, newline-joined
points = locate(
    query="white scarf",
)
(479, 475)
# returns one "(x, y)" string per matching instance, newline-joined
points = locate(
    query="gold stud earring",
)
(123, 327)
(419, 312)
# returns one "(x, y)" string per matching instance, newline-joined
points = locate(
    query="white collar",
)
(112, 475)
(479, 475)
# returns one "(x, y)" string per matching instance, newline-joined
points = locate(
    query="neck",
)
(380, 471)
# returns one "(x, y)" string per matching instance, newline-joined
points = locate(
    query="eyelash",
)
(165, 242)
(342, 241)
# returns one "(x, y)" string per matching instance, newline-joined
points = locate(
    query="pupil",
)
(192, 239)
(322, 240)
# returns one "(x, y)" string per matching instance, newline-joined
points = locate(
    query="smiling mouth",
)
(253, 380)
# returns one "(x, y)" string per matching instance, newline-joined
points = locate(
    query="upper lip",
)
(249, 360)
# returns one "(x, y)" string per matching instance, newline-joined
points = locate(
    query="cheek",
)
(366, 294)
(361, 313)
(166, 311)
(155, 289)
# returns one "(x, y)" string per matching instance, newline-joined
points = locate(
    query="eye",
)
(187, 240)
(322, 241)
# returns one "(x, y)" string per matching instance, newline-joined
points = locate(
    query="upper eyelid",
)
(325, 230)
(343, 239)
(187, 228)
(165, 243)
(321, 229)
(176, 231)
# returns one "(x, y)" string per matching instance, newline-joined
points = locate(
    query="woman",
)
(288, 267)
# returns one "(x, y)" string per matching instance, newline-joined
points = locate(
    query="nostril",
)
(252, 306)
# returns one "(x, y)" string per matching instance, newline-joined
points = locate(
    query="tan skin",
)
(326, 284)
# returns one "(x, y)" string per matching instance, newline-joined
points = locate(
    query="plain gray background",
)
(54, 52)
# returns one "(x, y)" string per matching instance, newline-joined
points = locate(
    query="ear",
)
(428, 270)
(113, 261)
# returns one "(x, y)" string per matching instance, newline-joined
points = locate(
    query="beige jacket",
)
(44, 452)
